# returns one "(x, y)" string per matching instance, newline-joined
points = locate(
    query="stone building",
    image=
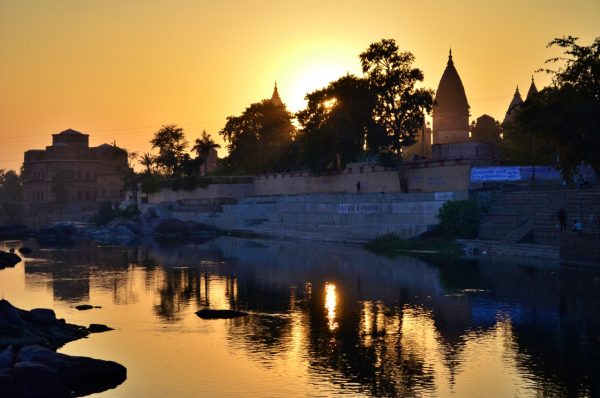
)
(70, 178)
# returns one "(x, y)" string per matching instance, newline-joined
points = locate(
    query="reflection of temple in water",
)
(378, 326)
(406, 310)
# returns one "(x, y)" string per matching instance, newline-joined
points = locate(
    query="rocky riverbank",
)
(30, 365)
(119, 231)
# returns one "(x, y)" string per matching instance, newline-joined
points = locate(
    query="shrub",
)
(460, 219)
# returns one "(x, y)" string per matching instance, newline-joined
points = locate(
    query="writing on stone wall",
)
(359, 208)
(481, 174)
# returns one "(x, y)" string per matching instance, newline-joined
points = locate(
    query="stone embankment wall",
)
(423, 176)
(213, 191)
(342, 217)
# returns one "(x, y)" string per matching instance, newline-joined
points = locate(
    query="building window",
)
(79, 175)
(78, 194)
(87, 175)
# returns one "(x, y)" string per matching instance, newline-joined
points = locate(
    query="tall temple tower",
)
(513, 107)
(451, 108)
(532, 89)
(275, 99)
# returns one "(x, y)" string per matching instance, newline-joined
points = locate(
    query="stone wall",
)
(372, 178)
(343, 217)
(213, 191)
(581, 249)
(438, 176)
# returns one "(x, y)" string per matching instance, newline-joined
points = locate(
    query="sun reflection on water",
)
(330, 304)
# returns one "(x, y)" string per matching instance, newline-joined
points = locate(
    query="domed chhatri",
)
(451, 108)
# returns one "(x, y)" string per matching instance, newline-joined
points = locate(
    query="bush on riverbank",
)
(107, 212)
(460, 219)
(430, 247)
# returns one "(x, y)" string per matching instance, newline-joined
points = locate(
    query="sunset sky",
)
(118, 70)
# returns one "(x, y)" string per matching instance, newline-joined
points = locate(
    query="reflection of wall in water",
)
(68, 270)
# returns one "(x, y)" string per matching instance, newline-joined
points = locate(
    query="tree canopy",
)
(335, 123)
(171, 144)
(400, 107)
(203, 146)
(10, 186)
(258, 139)
(565, 117)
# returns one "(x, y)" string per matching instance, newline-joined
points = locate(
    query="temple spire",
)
(275, 99)
(532, 89)
(450, 61)
(513, 107)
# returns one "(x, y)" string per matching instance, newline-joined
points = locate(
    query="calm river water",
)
(326, 320)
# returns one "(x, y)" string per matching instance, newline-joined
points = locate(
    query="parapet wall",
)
(372, 178)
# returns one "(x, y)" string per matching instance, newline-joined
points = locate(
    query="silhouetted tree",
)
(258, 139)
(400, 107)
(148, 161)
(566, 115)
(11, 188)
(203, 146)
(335, 123)
(486, 129)
(171, 144)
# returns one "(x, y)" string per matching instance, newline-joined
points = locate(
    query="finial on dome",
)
(450, 62)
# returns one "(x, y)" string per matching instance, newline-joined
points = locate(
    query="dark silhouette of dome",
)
(451, 108)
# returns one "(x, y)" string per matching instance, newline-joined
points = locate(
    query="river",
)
(326, 320)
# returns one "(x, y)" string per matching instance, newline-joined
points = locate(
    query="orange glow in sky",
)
(119, 70)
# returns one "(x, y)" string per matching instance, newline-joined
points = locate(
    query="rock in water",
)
(99, 328)
(38, 326)
(25, 250)
(84, 307)
(220, 314)
(8, 259)
(80, 375)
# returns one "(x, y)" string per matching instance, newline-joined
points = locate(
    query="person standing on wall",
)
(562, 219)
(358, 187)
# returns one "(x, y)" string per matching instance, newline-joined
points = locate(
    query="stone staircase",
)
(530, 216)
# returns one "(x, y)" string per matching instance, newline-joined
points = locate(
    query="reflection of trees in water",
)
(554, 317)
(559, 338)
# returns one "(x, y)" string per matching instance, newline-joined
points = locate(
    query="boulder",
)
(8, 259)
(25, 250)
(98, 328)
(38, 326)
(33, 379)
(81, 375)
(207, 313)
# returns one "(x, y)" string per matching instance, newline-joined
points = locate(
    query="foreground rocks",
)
(30, 367)
(38, 326)
(8, 259)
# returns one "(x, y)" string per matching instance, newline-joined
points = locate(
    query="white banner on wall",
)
(481, 174)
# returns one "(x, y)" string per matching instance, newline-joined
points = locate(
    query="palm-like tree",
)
(203, 146)
(148, 160)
